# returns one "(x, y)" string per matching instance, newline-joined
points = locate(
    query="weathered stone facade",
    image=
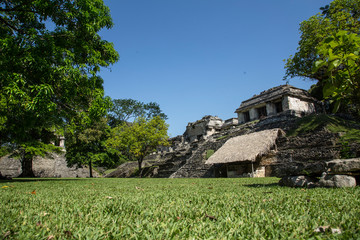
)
(230, 123)
(202, 128)
(284, 98)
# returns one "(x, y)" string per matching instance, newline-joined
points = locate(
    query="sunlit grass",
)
(350, 129)
(174, 209)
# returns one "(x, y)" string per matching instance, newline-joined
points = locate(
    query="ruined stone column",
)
(270, 108)
(253, 114)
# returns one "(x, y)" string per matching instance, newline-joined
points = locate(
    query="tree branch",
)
(16, 10)
(9, 25)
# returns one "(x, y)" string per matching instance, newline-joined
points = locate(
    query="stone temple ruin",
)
(273, 108)
(284, 99)
(254, 144)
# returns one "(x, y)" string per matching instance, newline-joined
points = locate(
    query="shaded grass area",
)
(108, 171)
(350, 129)
(174, 209)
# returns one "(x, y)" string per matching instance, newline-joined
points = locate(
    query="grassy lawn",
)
(174, 209)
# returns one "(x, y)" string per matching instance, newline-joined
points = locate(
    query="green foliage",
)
(350, 129)
(128, 110)
(245, 208)
(86, 135)
(139, 139)
(339, 59)
(339, 15)
(4, 150)
(50, 54)
(328, 52)
(345, 150)
(37, 148)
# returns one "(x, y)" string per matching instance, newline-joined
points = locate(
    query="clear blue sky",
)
(202, 57)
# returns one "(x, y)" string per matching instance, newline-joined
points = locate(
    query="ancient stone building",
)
(282, 99)
(202, 128)
(232, 122)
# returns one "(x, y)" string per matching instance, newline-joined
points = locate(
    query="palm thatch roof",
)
(246, 147)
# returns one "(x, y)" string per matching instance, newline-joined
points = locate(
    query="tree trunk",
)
(26, 166)
(140, 163)
(90, 167)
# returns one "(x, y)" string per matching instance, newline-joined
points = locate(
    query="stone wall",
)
(189, 159)
(54, 165)
(299, 105)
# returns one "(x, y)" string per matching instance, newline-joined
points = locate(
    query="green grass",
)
(350, 129)
(174, 209)
(209, 153)
(108, 171)
(222, 137)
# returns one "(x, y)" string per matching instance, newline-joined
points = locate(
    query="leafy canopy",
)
(339, 61)
(86, 135)
(128, 110)
(328, 52)
(139, 139)
(339, 15)
(50, 55)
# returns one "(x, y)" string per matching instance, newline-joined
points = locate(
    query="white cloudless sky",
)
(202, 57)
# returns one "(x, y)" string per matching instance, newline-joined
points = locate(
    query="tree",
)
(339, 61)
(139, 139)
(127, 110)
(339, 15)
(50, 54)
(86, 135)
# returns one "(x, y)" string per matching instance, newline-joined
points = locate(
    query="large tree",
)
(50, 55)
(340, 63)
(339, 15)
(86, 134)
(137, 140)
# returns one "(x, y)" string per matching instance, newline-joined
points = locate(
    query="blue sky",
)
(202, 57)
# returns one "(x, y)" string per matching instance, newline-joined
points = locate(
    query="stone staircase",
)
(195, 166)
(171, 162)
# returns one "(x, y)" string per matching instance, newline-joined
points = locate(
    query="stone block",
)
(344, 166)
(299, 168)
(337, 181)
(298, 181)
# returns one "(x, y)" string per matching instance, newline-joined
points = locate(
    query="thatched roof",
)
(246, 147)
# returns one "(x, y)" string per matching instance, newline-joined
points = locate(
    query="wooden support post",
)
(252, 169)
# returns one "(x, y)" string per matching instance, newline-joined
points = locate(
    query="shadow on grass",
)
(261, 185)
(42, 179)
